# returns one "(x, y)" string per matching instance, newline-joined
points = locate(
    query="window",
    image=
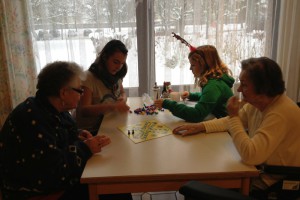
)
(76, 30)
(238, 28)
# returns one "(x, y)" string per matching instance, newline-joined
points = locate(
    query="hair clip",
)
(192, 48)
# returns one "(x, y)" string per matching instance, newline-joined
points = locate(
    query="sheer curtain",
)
(238, 29)
(288, 51)
(77, 30)
(17, 71)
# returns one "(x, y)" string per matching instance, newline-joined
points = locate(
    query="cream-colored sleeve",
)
(221, 124)
(216, 125)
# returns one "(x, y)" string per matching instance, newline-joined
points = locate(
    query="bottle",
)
(155, 92)
(169, 89)
(164, 92)
(236, 85)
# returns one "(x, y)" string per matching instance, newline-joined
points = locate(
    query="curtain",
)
(288, 50)
(17, 71)
(238, 29)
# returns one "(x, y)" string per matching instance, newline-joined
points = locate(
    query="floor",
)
(167, 195)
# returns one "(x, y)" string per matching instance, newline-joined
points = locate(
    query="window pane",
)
(238, 29)
(76, 30)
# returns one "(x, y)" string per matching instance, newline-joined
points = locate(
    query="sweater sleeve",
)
(257, 149)
(195, 96)
(221, 124)
(216, 125)
(207, 102)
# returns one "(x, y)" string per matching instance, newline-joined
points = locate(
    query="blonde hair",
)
(208, 57)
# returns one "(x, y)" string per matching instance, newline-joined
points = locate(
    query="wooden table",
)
(165, 163)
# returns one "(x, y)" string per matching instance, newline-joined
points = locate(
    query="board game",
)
(146, 130)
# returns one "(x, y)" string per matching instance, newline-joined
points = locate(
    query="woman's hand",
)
(122, 97)
(185, 95)
(97, 143)
(121, 106)
(233, 106)
(189, 129)
(84, 135)
(158, 103)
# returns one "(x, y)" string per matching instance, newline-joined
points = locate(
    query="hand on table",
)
(189, 129)
(158, 103)
(97, 143)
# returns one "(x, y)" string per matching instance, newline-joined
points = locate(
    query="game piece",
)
(147, 110)
(165, 92)
(155, 92)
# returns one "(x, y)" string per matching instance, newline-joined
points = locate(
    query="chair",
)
(286, 189)
(195, 190)
(289, 187)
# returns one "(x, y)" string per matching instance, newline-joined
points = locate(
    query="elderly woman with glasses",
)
(42, 153)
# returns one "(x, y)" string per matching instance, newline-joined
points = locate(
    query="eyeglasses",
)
(79, 90)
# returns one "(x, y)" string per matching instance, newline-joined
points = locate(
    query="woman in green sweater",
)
(214, 77)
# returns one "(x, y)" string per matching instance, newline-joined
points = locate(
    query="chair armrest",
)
(282, 170)
(199, 190)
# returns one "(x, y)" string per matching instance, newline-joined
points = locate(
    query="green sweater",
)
(212, 100)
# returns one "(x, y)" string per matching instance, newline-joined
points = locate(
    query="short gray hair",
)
(56, 75)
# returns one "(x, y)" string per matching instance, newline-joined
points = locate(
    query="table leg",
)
(93, 192)
(245, 187)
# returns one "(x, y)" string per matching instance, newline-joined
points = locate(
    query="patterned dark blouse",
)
(40, 151)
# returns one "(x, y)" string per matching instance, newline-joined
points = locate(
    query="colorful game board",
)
(146, 130)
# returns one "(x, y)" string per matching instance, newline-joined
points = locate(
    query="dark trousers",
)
(81, 192)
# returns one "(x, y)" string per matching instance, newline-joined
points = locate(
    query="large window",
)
(76, 30)
(238, 28)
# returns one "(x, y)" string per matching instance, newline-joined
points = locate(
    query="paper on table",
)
(146, 130)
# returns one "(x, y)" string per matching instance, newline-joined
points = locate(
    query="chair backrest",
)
(285, 170)
(288, 186)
